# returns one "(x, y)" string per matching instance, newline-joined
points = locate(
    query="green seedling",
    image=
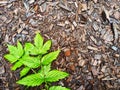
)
(36, 58)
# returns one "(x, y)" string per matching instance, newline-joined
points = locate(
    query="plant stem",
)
(33, 70)
(46, 86)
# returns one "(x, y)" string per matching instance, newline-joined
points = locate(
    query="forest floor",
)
(86, 31)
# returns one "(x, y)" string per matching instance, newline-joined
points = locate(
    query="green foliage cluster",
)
(35, 57)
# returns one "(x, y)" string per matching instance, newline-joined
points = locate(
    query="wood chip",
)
(84, 6)
(81, 63)
(67, 52)
(117, 15)
(92, 48)
(74, 23)
(3, 2)
(64, 7)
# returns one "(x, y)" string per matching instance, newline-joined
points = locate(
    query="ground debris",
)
(86, 31)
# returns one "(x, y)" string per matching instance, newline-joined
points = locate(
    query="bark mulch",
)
(86, 31)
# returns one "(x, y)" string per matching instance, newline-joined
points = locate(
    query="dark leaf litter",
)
(86, 31)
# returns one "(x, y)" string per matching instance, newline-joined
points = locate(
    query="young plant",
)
(35, 58)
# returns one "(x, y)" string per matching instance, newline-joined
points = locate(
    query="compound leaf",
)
(32, 62)
(13, 50)
(30, 49)
(17, 65)
(58, 88)
(45, 69)
(47, 45)
(55, 75)
(10, 58)
(47, 59)
(38, 41)
(32, 80)
(24, 71)
(19, 49)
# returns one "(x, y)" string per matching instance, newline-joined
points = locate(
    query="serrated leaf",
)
(55, 75)
(35, 51)
(32, 80)
(24, 71)
(20, 49)
(47, 59)
(38, 41)
(58, 88)
(28, 48)
(17, 65)
(13, 50)
(10, 58)
(45, 69)
(32, 62)
(47, 45)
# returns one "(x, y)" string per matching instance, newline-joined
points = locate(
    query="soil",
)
(86, 31)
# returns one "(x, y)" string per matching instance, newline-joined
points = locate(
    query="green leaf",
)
(38, 41)
(47, 45)
(20, 49)
(24, 71)
(55, 75)
(58, 88)
(45, 69)
(28, 48)
(32, 62)
(32, 80)
(13, 50)
(47, 59)
(10, 58)
(17, 65)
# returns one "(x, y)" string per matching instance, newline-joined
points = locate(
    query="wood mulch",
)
(86, 31)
